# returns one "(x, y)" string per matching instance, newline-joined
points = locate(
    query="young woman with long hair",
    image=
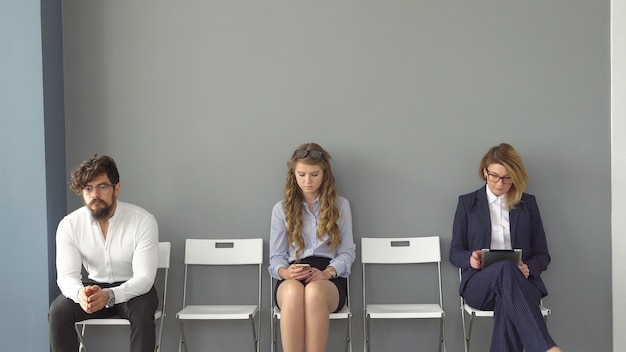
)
(311, 250)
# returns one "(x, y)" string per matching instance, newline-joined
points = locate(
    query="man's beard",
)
(101, 213)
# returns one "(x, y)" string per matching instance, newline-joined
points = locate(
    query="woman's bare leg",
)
(320, 299)
(290, 298)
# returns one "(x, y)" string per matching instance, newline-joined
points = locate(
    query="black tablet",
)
(491, 256)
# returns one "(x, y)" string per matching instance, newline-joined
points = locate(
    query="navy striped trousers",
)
(518, 323)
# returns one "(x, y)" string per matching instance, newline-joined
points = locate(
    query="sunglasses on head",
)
(312, 154)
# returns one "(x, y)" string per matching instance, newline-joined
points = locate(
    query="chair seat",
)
(477, 312)
(114, 320)
(343, 313)
(215, 312)
(489, 313)
(403, 311)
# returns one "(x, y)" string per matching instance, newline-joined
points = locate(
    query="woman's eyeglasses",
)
(495, 178)
(312, 154)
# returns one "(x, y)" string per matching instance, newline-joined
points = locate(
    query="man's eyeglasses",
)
(312, 154)
(495, 178)
(103, 187)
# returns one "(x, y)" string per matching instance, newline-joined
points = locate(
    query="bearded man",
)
(117, 244)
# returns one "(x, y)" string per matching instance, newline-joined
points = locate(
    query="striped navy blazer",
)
(472, 231)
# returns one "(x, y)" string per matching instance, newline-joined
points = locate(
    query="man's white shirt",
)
(129, 254)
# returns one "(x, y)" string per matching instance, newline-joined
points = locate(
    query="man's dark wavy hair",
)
(88, 169)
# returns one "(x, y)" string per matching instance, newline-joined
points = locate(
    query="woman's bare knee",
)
(321, 294)
(290, 292)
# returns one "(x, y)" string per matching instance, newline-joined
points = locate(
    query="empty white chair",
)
(222, 252)
(404, 250)
(474, 312)
(164, 264)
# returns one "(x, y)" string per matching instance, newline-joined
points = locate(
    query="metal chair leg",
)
(274, 333)
(465, 340)
(349, 335)
(255, 338)
(81, 332)
(442, 342)
(182, 343)
(367, 334)
(469, 331)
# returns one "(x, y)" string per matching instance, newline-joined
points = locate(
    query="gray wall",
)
(202, 102)
(32, 155)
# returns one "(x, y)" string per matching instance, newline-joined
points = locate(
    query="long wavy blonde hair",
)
(292, 203)
(505, 155)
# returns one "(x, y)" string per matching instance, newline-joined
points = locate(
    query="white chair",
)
(222, 252)
(344, 313)
(405, 250)
(473, 313)
(164, 264)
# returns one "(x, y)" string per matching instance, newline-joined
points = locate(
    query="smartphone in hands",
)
(303, 266)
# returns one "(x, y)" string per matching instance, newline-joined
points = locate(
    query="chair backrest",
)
(224, 251)
(401, 250)
(164, 254)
